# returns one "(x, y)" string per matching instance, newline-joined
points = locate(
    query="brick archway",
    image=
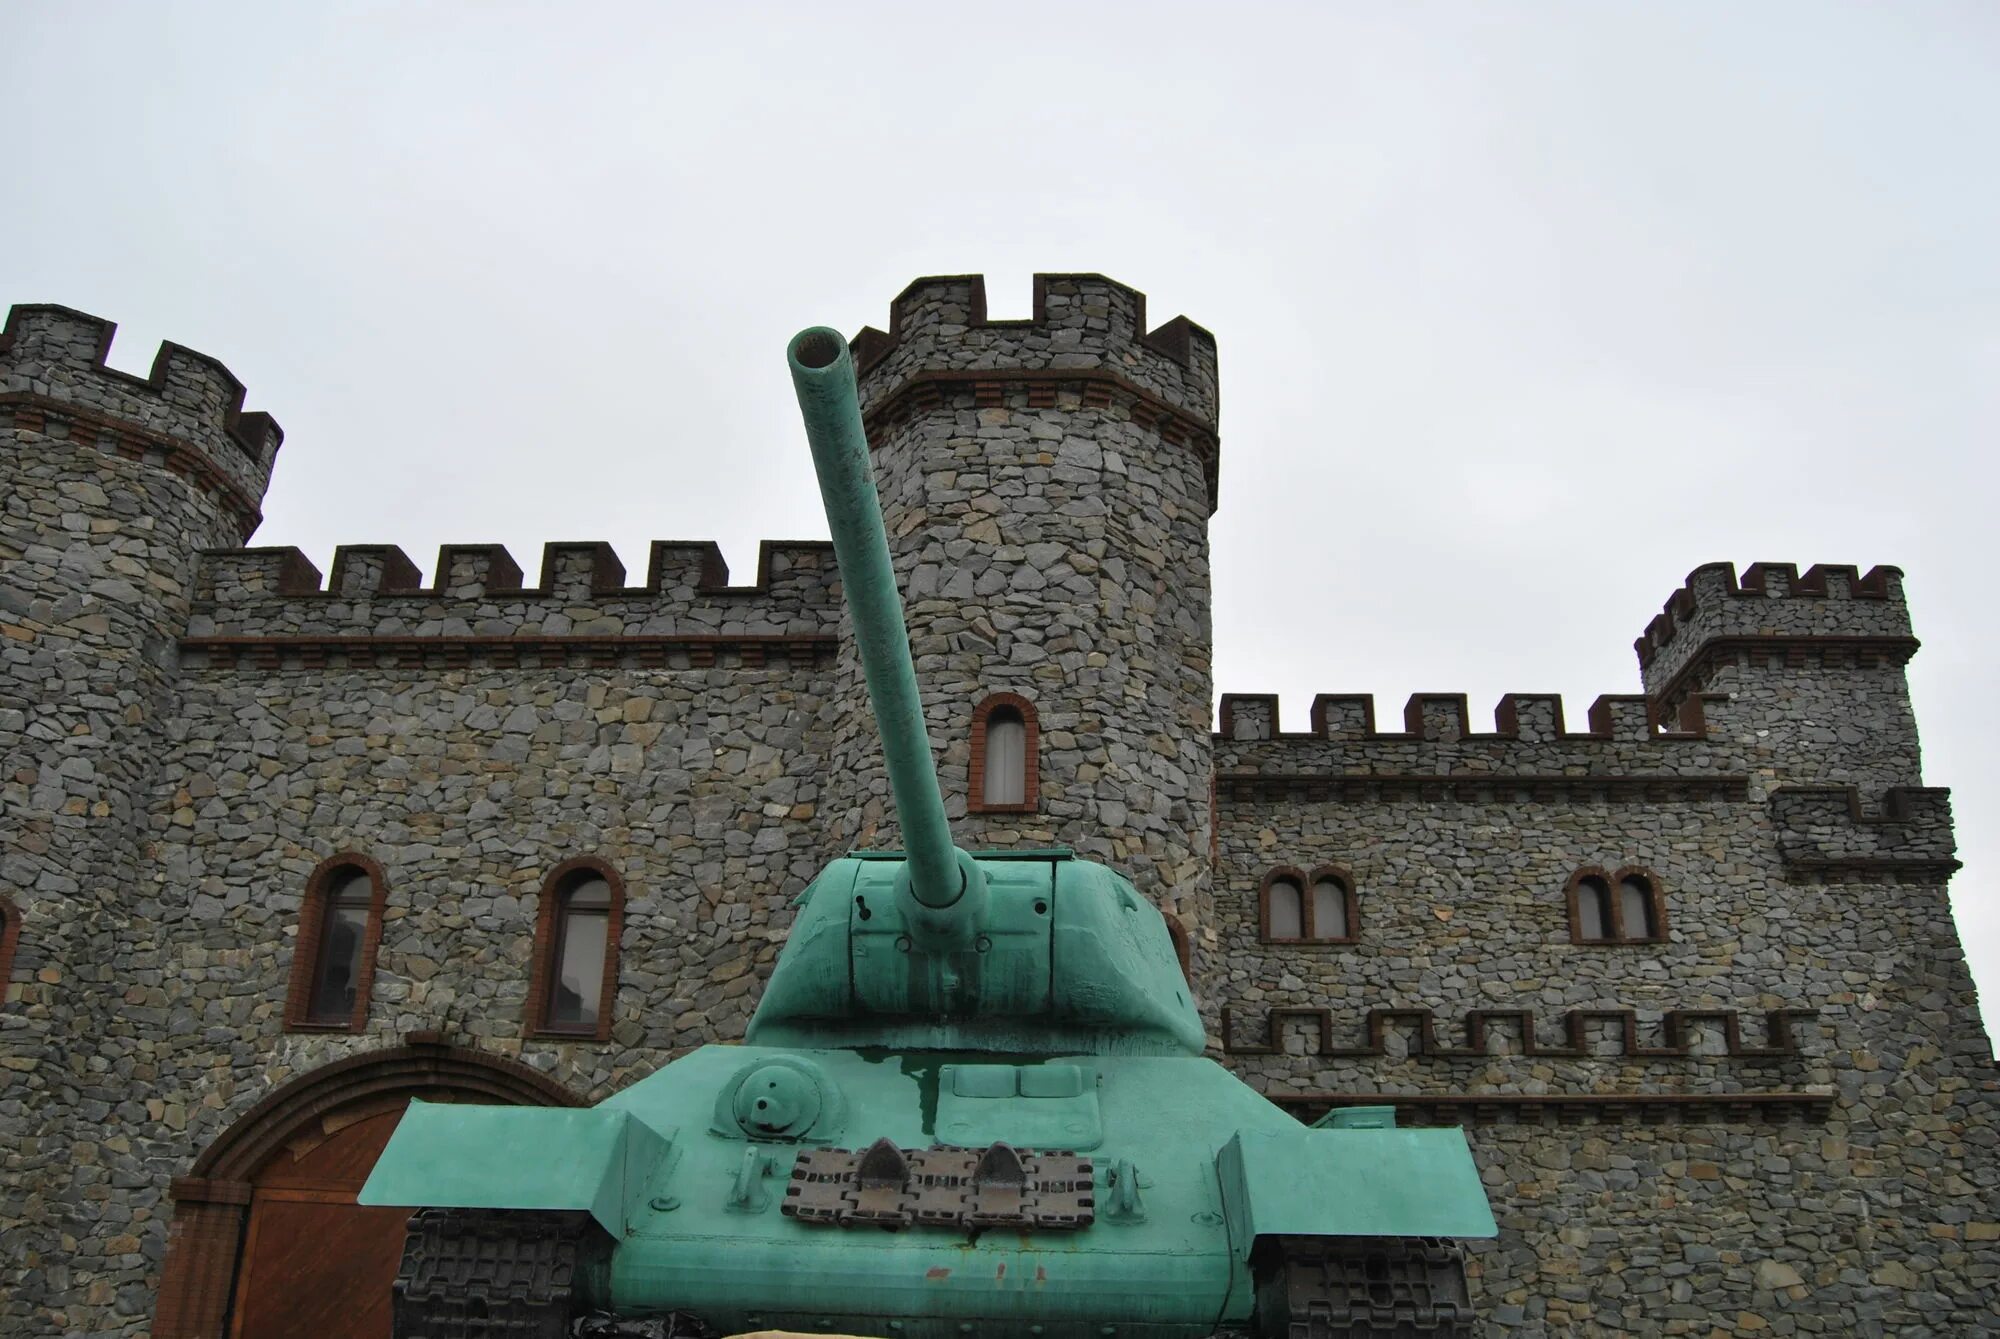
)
(206, 1238)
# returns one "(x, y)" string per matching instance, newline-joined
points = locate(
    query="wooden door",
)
(315, 1263)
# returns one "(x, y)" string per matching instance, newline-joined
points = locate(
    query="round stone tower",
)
(110, 486)
(1046, 486)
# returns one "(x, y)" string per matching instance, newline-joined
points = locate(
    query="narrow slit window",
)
(1006, 757)
(343, 934)
(1635, 905)
(1284, 910)
(1593, 909)
(1330, 909)
(333, 965)
(582, 936)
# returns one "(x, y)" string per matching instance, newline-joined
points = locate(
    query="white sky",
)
(1524, 310)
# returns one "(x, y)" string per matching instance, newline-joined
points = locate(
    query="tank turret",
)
(972, 1100)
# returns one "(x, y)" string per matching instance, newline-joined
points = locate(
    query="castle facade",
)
(279, 852)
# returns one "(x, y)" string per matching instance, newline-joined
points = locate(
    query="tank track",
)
(491, 1273)
(1362, 1288)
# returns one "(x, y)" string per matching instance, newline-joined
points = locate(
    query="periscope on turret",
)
(973, 1099)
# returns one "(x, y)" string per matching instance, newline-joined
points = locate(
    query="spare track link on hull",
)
(491, 1273)
(1362, 1288)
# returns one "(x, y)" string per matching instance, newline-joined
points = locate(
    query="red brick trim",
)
(1031, 787)
(1615, 911)
(1784, 651)
(366, 650)
(1781, 1034)
(312, 925)
(1878, 583)
(204, 1238)
(543, 964)
(38, 413)
(10, 939)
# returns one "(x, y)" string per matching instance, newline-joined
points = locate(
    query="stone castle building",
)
(278, 851)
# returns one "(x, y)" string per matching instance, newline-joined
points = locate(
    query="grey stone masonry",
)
(1765, 1105)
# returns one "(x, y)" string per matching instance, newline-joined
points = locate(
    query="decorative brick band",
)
(1483, 788)
(1575, 1043)
(1426, 1109)
(1775, 651)
(25, 411)
(1827, 833)
(1095, 388)
(363, 651)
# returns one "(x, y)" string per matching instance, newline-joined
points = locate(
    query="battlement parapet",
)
(53, 374)
(1628, 752)
(258, 599)
(1833, 832)
(1828, 602)
(1084, 328)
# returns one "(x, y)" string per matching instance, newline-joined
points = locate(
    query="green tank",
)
(973, 1100)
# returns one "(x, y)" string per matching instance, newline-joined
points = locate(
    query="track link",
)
(491, 1273)
(1362, 1288)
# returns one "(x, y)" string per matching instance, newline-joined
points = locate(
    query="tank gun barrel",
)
(823, 375)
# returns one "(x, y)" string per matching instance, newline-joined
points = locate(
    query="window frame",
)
(975, 779)
(1614, 880)
(308, 945)
(1306, 883)
(556, 887)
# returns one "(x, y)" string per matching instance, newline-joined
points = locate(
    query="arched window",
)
(575, 981)
(1621, 908)
(1336, 913)
(1316, 908)
(1003, 766)
(333, 962)
(1284, 905)
(10, 938)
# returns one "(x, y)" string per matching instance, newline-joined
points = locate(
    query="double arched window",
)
(1621, 907)
(1004, 764)
(333, 962)
(1317, 908)
(575, 972)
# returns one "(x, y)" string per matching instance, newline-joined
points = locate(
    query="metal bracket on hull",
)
(885, 1186)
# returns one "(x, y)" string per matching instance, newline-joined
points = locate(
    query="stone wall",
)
(1780, 1118)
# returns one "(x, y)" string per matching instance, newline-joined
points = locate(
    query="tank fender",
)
(457, 1156)
(1350, 1183)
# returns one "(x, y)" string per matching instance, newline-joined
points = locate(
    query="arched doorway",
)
(266, 1240)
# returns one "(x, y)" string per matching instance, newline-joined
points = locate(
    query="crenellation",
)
(56, 356)
(466, 571)
(1082, 324)
(364, 570)
(1771, 600)
(1445, 718)
(580, 570)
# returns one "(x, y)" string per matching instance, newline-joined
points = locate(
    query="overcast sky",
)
(1524, 310)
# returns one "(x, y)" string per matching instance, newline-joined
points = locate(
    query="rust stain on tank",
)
(937, 1272)
(1001, 1272)
(1041, 1274)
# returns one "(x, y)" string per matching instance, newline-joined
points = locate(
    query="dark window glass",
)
(584, 922)
(349, 895)
(1635, 904)
(1285, 910)
(1593, 909)
(1329, 910)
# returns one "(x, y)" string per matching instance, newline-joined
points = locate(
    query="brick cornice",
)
(1480, 787)
(1100, 388)
(312, 651)
(1785, 650)
(27, 411)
